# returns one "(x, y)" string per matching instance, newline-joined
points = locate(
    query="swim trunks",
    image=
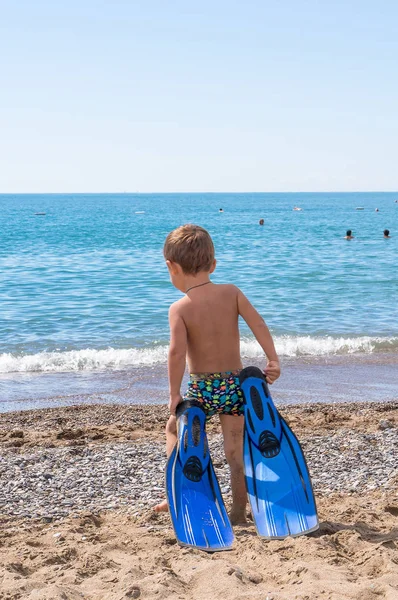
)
(219, 393)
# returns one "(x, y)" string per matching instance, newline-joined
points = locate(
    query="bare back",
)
(211, 317)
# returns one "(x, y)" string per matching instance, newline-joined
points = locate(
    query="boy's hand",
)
(272, 371)
(174, 402)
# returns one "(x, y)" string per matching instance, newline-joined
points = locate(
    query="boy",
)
(204, 331)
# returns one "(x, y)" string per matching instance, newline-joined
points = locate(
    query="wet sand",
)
(329, 379)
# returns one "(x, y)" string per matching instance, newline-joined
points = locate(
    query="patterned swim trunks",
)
(219, 393)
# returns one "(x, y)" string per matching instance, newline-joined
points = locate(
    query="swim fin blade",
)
(196, 506)
(277, 478)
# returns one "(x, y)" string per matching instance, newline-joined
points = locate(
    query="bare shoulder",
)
(177, 307)
(229, 288)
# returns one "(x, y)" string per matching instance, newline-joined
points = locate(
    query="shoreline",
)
(330, 379)
(77, 485)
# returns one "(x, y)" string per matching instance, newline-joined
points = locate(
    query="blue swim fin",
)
(195, 502)
(277, 478)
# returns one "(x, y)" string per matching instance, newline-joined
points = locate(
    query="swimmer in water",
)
(261, 222)
(386, 233)
(348, 235)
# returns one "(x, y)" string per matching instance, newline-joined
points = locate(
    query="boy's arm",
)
(262, 335)
(177, 356)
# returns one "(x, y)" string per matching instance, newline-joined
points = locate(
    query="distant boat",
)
(297, 208)
(359, 208)
(40, 214)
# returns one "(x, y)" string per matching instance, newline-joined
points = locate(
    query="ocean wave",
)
(82, 360)
(292, 346)
(113, 358)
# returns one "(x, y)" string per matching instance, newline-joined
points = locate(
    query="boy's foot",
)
(237, 517)
(162, 507)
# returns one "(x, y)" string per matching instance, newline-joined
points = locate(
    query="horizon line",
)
(137, 193)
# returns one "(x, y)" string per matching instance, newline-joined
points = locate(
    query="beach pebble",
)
(385, 424)
(133, 592)
(52, 483)
(16, 434)
(255, 578)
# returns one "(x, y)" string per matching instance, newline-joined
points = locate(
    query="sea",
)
(85, 292)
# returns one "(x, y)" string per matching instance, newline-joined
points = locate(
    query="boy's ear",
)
(213, 266)
(172, 267)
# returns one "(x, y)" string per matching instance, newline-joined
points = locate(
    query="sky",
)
(209, 95)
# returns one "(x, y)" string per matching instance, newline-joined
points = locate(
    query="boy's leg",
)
(232, 429)
(171, 434)
(171, 439)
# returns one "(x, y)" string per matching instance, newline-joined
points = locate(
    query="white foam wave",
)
(112, 358)
(292, 346)
(82, 360)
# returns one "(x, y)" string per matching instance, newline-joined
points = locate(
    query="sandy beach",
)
(77, 485)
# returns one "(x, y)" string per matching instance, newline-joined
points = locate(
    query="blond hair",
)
(191, 247)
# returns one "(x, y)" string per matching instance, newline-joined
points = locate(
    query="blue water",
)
(84, 292)
(84, 287)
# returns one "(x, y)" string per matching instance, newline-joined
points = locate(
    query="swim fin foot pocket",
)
(277, 478)
(196, 506)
